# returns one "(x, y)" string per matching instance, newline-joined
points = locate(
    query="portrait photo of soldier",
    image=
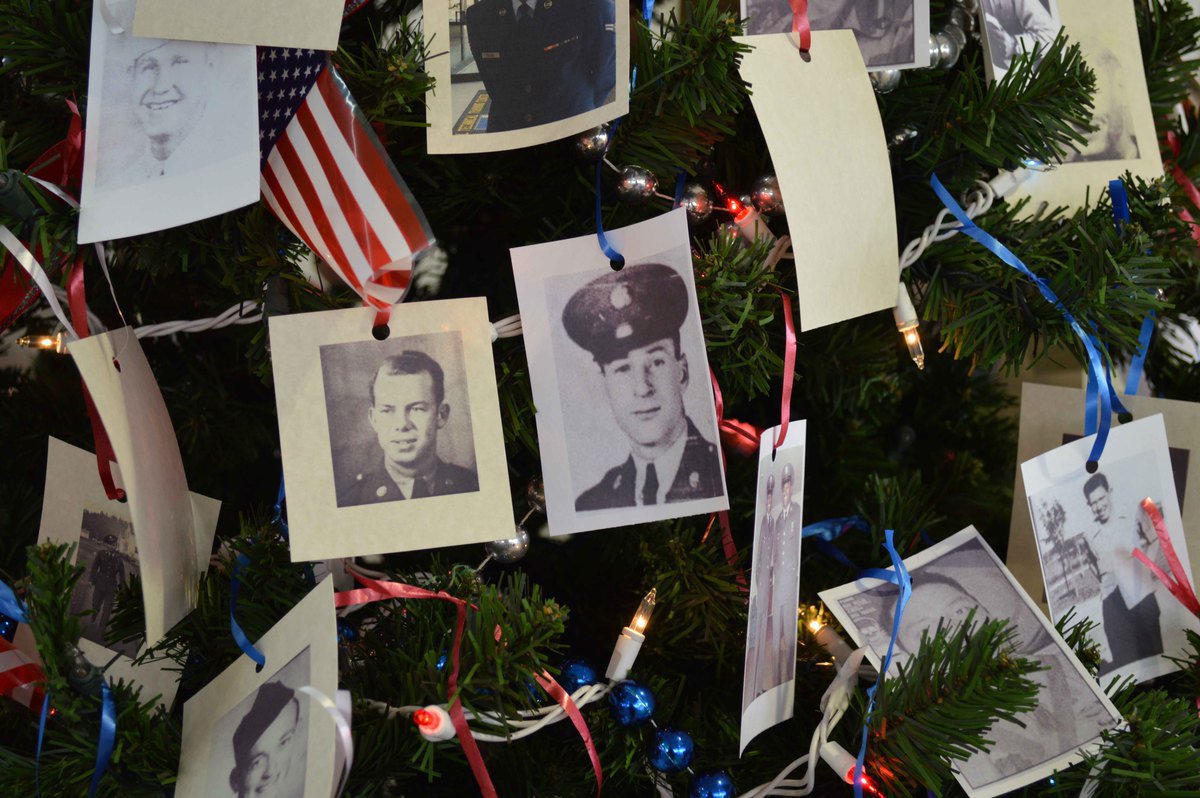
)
(108, 554)
(629, 322)
(260, 747)
(888, 32)
(399, 420)
(537, 61)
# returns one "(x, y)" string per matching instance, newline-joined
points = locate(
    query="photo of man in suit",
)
(764, 556)
(407, 408)
(543, 60)
(630, 320)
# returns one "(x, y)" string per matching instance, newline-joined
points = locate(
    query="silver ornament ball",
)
(943, 50)
(885, 81)
(511, 549)
(535, 495)
(765, 195)
(963, 19)
(636, 184)
(591, 144)
(970, 6)
(697, 201)
(957, 33)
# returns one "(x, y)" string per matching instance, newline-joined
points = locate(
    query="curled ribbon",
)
(789, 370)
(898, 576)
(1096, 366)
(235, 587)
(1177, 582)
(108, 736)
(375, 590)
(41, 736)
(1185, 183)
(10, 605)
(800, 24)
(344, 740)
(564, 700)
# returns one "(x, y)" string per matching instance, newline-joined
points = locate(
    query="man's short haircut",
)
(1097, 480)
(411, 361)
(271, 700)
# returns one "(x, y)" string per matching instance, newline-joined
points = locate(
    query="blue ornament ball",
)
(631, 703)
(713, 784)
(575, 674)
(671, 750)
(346, 632)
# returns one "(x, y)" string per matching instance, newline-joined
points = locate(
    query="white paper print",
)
(390, 445)
(249, 733)
(626, 422)
(1087, 527)
(769, 686)
(172, 131)
(950, 579)
(892, 34)
(143, 440)
(76, 510)
(520, 74)
(835, 176)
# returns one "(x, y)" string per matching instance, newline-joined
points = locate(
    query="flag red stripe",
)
(376, 253)
(22, 674)
(300, 180)
(374, 165)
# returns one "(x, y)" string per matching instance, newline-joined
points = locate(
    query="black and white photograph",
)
(172, 131)
(892, 34)
(950, 580)
(108, 554)
(524, 72)
(1013, 27)
(256, 733)
(261, 745)
(768, 686)
(1088, 525)
(1124, 138)
(1052, 416)
(399, 419)
(626, 419)
(393, 444)
(77, 511)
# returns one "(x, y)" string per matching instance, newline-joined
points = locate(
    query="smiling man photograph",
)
(406, 410)
(630, 322)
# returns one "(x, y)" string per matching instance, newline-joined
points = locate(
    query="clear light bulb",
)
(644, 611)
(907, 323)
(47, 342)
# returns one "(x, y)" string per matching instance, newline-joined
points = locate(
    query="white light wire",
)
(979, 202)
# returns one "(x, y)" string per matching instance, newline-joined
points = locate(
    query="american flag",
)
(21, 679)
(326, 176)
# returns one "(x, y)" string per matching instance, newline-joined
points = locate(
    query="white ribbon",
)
(340, 717)
(34, 269)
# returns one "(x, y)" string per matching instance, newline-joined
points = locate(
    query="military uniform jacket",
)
(698, 477)
(562, 62)
(786, 560)
(373, 485)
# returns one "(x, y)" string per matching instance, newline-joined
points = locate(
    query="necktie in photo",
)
(524, 12)
(650, 488)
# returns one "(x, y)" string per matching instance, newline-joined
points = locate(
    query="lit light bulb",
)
(644, 611)
(907, 323)
(434, 723)
(45, 342)
(629, 642)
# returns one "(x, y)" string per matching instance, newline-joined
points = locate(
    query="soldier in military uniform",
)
(764, 560)
(785, 576)
(407, 409)
(629, 321)
(543, 60)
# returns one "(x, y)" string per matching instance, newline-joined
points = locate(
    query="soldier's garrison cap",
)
(789, 474)
(627, 309)
(770, 483)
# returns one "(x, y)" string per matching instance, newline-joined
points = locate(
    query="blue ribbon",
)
(1096, 364)
(37, 760)
(10, 605)
(609, 252)
(679, 181)
(235, 586)
(108, 736)
(1121, 217)
(898, 576)
(277, 512)
(825, 532)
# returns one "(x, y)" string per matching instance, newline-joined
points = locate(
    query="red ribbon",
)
(800, 23)
(789, 369)
(1178, 582)
(66, 155)
(378, 591)
(564, 700)
(1185, 183)
(105, 456)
